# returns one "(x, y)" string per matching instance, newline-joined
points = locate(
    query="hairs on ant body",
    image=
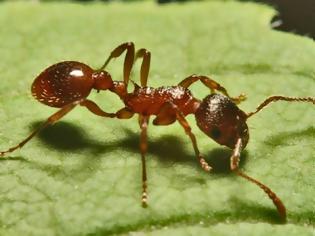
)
(67, 84)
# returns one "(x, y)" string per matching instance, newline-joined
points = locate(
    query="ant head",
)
(220, 119)
(102, 80)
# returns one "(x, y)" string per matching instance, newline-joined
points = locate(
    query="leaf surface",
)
(82, 176)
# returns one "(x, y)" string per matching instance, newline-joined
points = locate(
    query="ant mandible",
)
(67, 84)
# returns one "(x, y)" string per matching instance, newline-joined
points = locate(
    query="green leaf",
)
(82, 176)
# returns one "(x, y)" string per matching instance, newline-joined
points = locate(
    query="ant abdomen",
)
(220, 119)
(63, 83)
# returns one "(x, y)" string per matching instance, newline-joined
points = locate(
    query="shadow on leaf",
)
(69, 137)
(219, 159)
(251, 210)
(15, 158)
(168, 148)
(284, 137)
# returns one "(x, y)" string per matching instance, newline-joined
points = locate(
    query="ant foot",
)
(144, 200)
(242, 97)
(234, 163)
(205, 165)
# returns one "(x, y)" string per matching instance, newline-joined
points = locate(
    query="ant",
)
(67, 84)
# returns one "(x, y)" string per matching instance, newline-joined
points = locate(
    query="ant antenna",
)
(280, 98)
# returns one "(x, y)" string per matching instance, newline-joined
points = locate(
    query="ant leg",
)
(212, 85)
(94, 108)
(51, 120)
(168, 114)
(280, 98)
(124, 113)
(143, 122)
(129, 58)
(90, 105)
(145, 65)
(234, 167)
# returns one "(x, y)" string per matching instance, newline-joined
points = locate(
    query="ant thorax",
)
(148, 100)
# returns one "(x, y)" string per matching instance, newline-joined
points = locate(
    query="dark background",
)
(296, 16)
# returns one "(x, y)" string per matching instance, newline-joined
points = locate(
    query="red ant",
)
(67, 84)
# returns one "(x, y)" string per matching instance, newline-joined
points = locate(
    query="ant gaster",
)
(67, 84)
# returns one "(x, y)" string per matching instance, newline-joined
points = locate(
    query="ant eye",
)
(215, 133)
